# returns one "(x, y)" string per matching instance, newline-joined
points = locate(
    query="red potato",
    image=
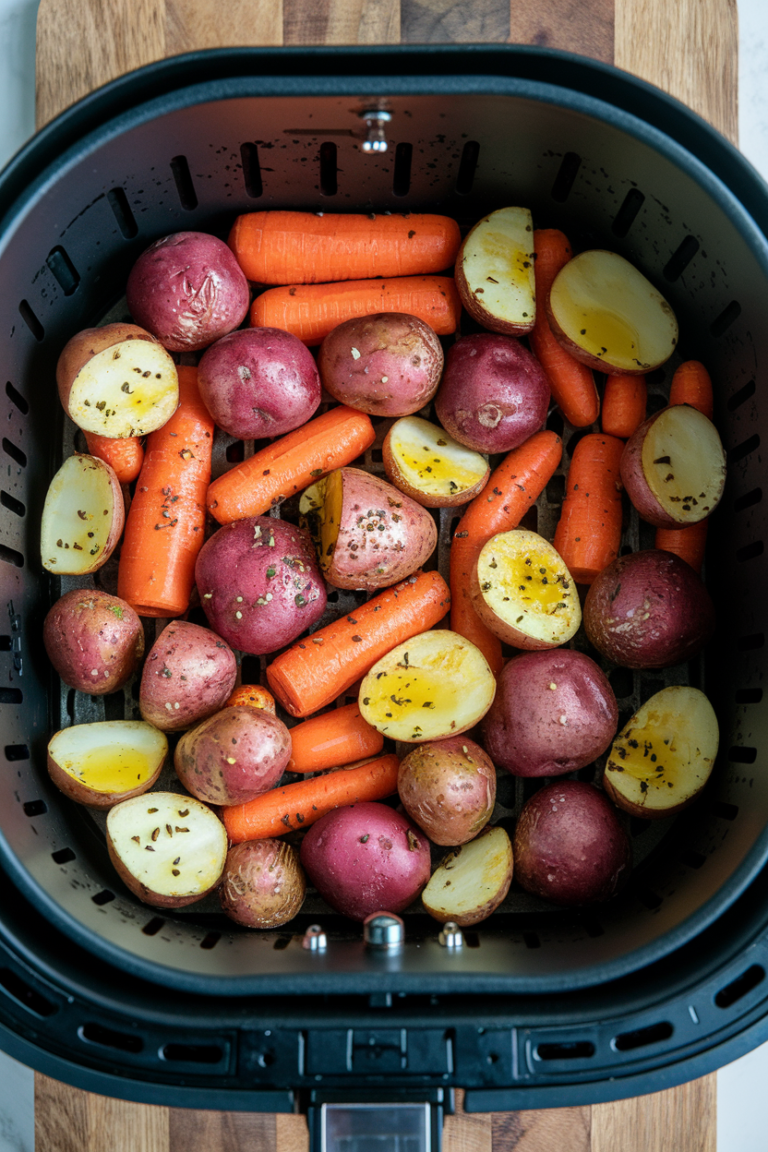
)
(448, 787)
(188, 675)
(94, 641)
(233, 756)
(554, 712)
(263, 885)
(388, 364)
(470, 883)
(365, 859)
(428, 465)
(83, 517)
(188, 290)
(494, 272)
(259, 382)
(494, 393)
(103, 763)
(260, 584)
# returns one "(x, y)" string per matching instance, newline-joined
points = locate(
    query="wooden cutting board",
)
(687, 47)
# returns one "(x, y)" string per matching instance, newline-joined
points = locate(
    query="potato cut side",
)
(663, 757)
(423, 461)
(494, 272)
(127, 390)
(684, 463)
(609, 316)
(170, 850)
(434, 685)
(103, 763)
(320, 510)
(83, 517)
(472, 881)
(523, 592)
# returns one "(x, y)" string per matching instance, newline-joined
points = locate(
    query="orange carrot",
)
(317, 669)
(165, 528)
(588, 534)
(125, 456)
(301, 804)
(289, 464)
(624, 404)
(333, 739)
(512, 488)
(253, 696)
(691, 384)
(311, 311)
(572, 383)
(687, 543)
(314, 248)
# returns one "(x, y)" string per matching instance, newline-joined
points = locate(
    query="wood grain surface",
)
(687, 47)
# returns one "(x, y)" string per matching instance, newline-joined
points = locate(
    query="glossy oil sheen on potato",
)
(471, 882)
(494, 272)
(83, 517)
(108, 761)
(423, 461)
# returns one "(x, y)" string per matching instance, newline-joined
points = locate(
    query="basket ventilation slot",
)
(627, 214)
(401, 181)
(10, 556)
(103, 897)
(593, 928)
(748, 552)
(749, 696)
(211, 940)
(16, 752)
(153, 926)
(627, 1041)
(16, 398)
(748, 500)
(573, 1050)
(467, 167)
(63, 856)
(93, 1033)
(725, 810)
(739, 987)
(727, 317)
(15, 453)
(566, 177)
(750, 643)
(282, 942)
(25, 995)
(249, 155)
(12, 504)
(741, 396)
(681, 258)
(184, 184)
(693, 859)
(531, 940)
(10, 695)
(328, 169)
(63, 270)
(121, 210)
(192, 1053)
(650, 900)
(742, 755)
(35, 808)
(743, 450)
(31, 320)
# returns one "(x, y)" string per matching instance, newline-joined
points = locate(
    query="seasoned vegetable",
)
(83, 517)
(448, 787)
(428, 465)
(94, 641)
(103, 763)
(471, 882)
(188, 675)
(233, 756)
(494, 272)
(588, 533)
(263, 885)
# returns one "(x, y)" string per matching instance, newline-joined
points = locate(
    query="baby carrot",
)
(687, 543)
(125, 456)
(317, 669)
(512, 488)
(311, 311)
(624, 403)
(691, 384)
(334, 738)
(301, 804)
(165, 527)
(253, 696)
(314, 248)
(289, 464)
(588, 534)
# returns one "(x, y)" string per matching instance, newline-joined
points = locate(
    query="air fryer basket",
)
(187, 145)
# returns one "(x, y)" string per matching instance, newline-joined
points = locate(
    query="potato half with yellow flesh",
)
(83, 517)
(664, 755)
(472, 881)
(101, 764)
(494, 272)
(436, 684)
(423, 461)
(523, 592)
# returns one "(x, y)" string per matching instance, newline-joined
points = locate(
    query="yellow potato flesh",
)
(432, 462)
(109, 757)
(78, 516)
(684, 463)
(127, 390)
(471, 882)
(330, 518)
(497, 263)
(525, 583)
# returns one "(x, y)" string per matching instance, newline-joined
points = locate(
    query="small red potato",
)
(569, 846)
(233, 756)
(448, 787)
(103, 763)
(263, 885)
(494, 393)
(554, 712)
(648, 610)
(388, 364)
(83, 517)
(94, 641)
(259, 382)
(366, 858)
(188, 675)
(428, 465)
(188, 290)
(471, 882)
(494, 272)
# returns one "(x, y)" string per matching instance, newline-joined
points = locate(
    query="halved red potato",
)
(494, 272)
(436, 684)
(101, 764)
(664, 755)
(606, 314)
(428, 465)
(117, 381)
(673, 467)
(83, 517)
(472, 881)
(523, 592)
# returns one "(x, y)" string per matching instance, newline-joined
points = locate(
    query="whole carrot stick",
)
(687, 543)
(301, 804)
(334, 738)
(314, 671)
(512, 488)
(691, 384)
(311, 248)
(253, 696)
(165, 528)
(588, 534)
(125, 456)
(311, 311)
(624, 404)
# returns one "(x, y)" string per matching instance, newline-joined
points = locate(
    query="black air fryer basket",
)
(539, 1006)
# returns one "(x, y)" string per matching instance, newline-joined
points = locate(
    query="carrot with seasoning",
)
(291, 463)
(311, 311)
(252, 696)
(165, 528)
(572, 383)
(588, 534)
(310, 248)
(515, 485)
(691, 384)
(317, 669)
(301, 804)
(687, 543)
(624, 403)
(125, 456)
(334, 738)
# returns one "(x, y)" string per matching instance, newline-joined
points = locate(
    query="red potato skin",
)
(554, 712)
(263, 884)
(494, 393)
(569, 846)
(188, 290)
(366, 858)
(85, 345)
(388, 364)
(448, 787)
(237, 562)
(259, 382)
(636, 485)
(233, 756)
(188, 675)
(648, 610)
(94, 641)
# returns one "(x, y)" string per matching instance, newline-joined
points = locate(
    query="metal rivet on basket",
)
(375, 119)
(315, 939)
(383, 931)
(451, 935)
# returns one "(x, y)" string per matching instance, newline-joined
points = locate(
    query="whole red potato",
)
(94, 641)
(448, 787)
(233, 756)
(188, 675)
(263, 885)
